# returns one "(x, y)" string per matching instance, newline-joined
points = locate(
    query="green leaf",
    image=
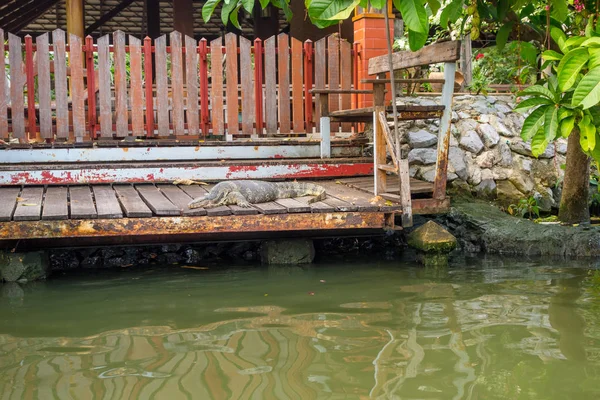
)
(264, 3)
(533, 123)
(587, 93)
(532, 102)
(539, 143)
(587, 134)
(248, 5)
(502, 35)
(566, 126)
(226, 10)
(451, 13)
(529, 52)
(208, 9)
(413, 14)
(570, 66)
(234, 17)
(539, 91)
(434, 5)
(594, 57)
(575, 41)
(591, 42)
(416, 40)
(560, 10)
(564, 113)
(550, 55)
(502, 9)
(559, 37)
(329, 10)
(551, 123)
(379, 4)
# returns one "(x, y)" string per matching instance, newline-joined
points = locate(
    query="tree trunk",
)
(574, 208)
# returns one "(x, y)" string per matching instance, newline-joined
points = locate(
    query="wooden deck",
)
(160, 210)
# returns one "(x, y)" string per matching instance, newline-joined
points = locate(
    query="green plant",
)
(479, 82)
(525, 207)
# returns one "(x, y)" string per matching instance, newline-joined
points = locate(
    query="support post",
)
(183, 17)
(379, 156)
(153, 18)
(441, 169)
(325, 125)
(75, 10)
(466, 57)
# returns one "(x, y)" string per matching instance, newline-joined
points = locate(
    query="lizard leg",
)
(237, 198)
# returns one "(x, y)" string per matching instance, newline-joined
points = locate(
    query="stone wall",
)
(487, 155)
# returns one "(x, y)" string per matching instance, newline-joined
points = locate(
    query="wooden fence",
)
(227, 88)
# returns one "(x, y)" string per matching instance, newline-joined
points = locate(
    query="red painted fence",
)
(226, 88)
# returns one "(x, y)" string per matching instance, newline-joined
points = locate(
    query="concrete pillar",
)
(75, 17)
(369, 33)
(287, 251)
(433, 244)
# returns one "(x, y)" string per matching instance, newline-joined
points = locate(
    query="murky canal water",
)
(481, 329)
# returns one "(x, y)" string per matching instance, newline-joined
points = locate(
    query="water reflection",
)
(480, 329)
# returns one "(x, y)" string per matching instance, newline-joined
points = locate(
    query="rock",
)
(503, 108)
(486, 189)
(454, 117)
(463, 115)
(507, 193)
(453, 141)
(432, 238)
(92, 261)
(428, 173)
(544, 198)
(500, 174)
(413, 170)
(169, 258)
(471, 142)
(475, 176)
(465, 125)
(522, 181)
(486, 159)
(456, 158)
(28, 266)
(459, 187)
(486, 174)
(561, 147)
(545, 173)
(499, 126)
(61, 260)
(482, 107)
(523, 163)
(491, 99)
(484, 119)
(489, 135)
(421, 138)
(290, 251)
(480, 226)
(505, 158)
(12, 291)
(192, 256)
(422, 156)
(523, 148)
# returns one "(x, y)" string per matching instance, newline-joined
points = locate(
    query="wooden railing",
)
(121, 87)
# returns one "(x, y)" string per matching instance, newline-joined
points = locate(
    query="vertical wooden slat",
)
(204, 87)
(258, 84)
(297, 100)
(4, 95)
(91, 85)
(43, 67)
(247, 87)
(77, 89)
(333, 69)
(29, 74)
(270, 86)
(283, 69)
(308, 83)
(177, 83)
(346, 78)
(136, 90)
(16, 86)
(216, 94)
(120, 84)
(162, 95)
(320, 70)
(231, 68)
(104, 87)
(148, 78)
(60, 84)
(191, 80)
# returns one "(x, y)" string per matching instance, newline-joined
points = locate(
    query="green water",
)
(484, 328)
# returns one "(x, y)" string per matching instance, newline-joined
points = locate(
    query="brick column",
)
(369, 33)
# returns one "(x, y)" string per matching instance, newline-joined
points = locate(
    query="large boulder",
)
(432, 238)
(421, 138)
(28, 266)
(289, 251)
(422, 156)
(489, 135)
(471, 142)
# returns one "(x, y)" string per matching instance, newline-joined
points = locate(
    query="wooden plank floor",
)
(34, 203)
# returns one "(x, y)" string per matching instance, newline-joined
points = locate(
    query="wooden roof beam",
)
(108, 16)
(10, 12)
(24, 19)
